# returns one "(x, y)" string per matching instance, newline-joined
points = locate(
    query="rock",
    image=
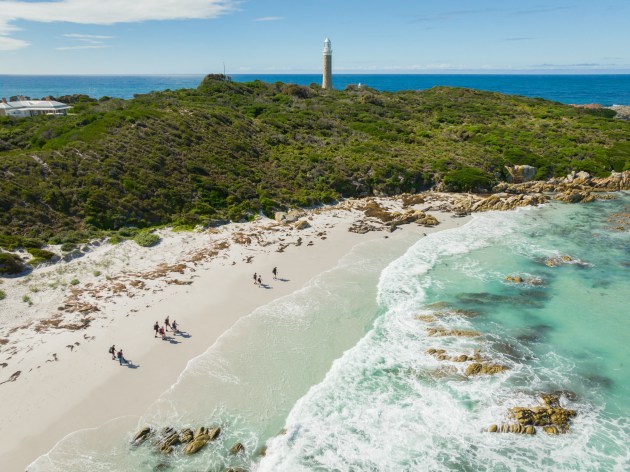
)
(186, 435)
(550, 430)
(452, 332)
(166, 445)
(302, 224)
(236, 448)
(516, 279)
(280, 217)
(201, 430)
(214, 433)
(477, 368)
(575, 196)
(530, 430)
(197, 444)
(142, 436)
(462, 358)
(519, 174)
(294, 215)
(493, 428)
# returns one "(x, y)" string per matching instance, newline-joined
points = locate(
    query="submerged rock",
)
(236, 448)
(465, 333)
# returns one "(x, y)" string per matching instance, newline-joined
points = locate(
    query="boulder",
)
(519, 174)
(197, 444)
(142, 436)
(493, 428)
(214, 433)
(186, 435)
(301, 224)
(280, 217)
(236, 448)
(294, 215)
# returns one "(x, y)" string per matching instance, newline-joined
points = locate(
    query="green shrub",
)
(74, 282)
(3, 295)
(467, 179)
(27, 299)
(146, 239)
(11, 264)
(41, 254)
(35, 261)
(67, 247)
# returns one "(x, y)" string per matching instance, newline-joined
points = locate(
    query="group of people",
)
(117, 355)
(162, 330)
(258, 278)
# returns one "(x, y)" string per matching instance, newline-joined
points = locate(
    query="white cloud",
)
(87, 36)
(269, 18)
(72, 48)
(104, 12)
(11, 44)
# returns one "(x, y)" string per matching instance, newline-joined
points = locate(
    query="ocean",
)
(337, 377)
(606, 90)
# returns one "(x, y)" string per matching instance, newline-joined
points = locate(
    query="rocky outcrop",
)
(559, 260)
(550, 416)
(202, 437)
(478, 368)
(464, 333)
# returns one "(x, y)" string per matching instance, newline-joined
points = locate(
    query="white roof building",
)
(22, 108)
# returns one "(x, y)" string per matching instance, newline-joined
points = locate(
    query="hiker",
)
(167, 322)
(162, 332)
(175, 330)
(112, 351)
(121, 358)
(259, 281)
(156, 327)
(275, 273)
(255, 278)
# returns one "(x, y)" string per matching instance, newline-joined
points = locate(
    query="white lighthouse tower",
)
(327, 75)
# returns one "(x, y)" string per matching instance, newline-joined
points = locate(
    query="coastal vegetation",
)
(231, 150)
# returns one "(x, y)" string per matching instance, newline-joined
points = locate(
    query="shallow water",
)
(342, 364)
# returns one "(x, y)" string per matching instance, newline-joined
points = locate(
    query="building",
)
(327, 75)
(22, 107)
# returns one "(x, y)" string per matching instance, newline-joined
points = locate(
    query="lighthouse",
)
(327, 75)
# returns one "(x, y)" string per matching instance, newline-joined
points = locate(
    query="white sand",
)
(68, 381)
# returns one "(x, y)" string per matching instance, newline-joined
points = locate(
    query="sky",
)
(286, 36)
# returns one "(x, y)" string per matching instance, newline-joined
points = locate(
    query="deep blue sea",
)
(603, 89)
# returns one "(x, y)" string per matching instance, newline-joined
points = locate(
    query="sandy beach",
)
(59, 321)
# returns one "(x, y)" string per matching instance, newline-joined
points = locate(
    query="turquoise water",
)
(603, 89)
(341, 365)
(383, 408)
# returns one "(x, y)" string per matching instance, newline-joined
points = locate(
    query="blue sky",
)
(283, 36)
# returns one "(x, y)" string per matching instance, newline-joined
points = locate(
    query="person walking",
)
(121, 357)
(162, 333)
(156, 327)
(255, 278)
(167, 322)
(112, 351)
(275, 273)
(259, 281)
(175, 330)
